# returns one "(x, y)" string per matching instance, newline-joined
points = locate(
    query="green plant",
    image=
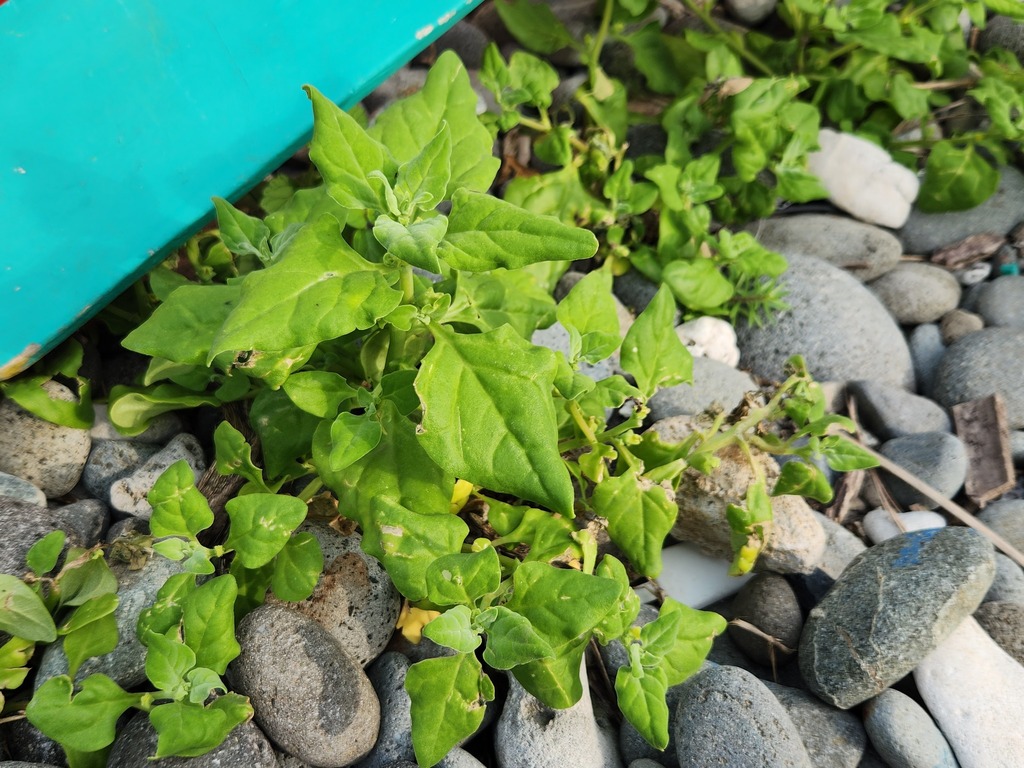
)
(378, 325)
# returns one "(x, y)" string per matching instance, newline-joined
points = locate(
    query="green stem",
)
(841, 51)
(581, 421)
(729, 39)
(310, 490)
(599, 39)
(408, 286)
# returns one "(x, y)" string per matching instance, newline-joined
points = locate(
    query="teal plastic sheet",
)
(120, 119)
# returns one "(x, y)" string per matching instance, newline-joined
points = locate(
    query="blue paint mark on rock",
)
(913, 542)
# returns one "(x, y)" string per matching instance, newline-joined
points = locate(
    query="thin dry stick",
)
(950, 506)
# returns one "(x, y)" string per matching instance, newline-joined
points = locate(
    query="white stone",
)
(696, 579)
(862, 179)
(710, 337)
(879, 525)
(975, 692)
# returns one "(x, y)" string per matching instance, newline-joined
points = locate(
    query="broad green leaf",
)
(167, 663)
(85, 723)
(652, 351)
(588, 314)
(642, 701)
(285, 431)
(488, 416)
(90, 578)
(77, 759)
(42, 556)
(319, 393)
(462, 578)
(491, 299)
(397, 469)
(658, 637)
(261, 524)
(297, 567)
(90, 631)
(183, 327)
(234, 455)
(352, 437)
(415, 244)
(556, 681)
(253, 584)
(188, 729)
(453, 629)
(511, 639)
(1012, 8)
(201, 683)
(131, 409)
(423, 180)
(398, 387)
(843, 455)
(241, 233)
(697, 631)
(449, 695)
(407, 542)
(667, 62)
(485, 232)
(319, 289)
(1004, 104)
(548, 536)
(534, 25)
(640, 515)
(14, 656)
(750, 527)
(346, 155)
(410, 124)
(28, 390)
(179, 509)
(293, 208)
(622, 616)
(802, 479)
(168, 608)
(956, 178)
(208, 623)
(22, 612)
(697, 283)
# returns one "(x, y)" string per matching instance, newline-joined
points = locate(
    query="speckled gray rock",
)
(1004, 623)
(797, 540)
(49, 456)
(917, 292)
(1003, 32)
(161, 429)
(713, 383)
(958, 323)
(126, 664)
(840, 327)
(27, 743)
(354, 600)
(110, 460)
(309, 696)
(833, 738)
(991, 360)
(750, 11)
(1006, 517)
(635, 291)
(244, 746)
(394, 741)
(924, 232)
(841, 547)
(458, 758)
(937, 458)
(467, 41)
(646, 762)
(891, 607)
(531, 735)
(866, 252)
(926, 350)
(727, 717)
(22, 525)
(15, 488)
(770, 604)
(903, 733)
(22, 764)
(87, 518)
(889, 411)
(128, 494)
(1008, 585)
(1001, 301)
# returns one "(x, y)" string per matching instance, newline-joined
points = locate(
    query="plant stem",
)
(408, 286)
(581, 421)
(602, 34)
(310, 490)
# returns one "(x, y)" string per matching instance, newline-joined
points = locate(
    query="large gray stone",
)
(841, 547)
(889, 411)
(904, 734)
(394, 741)
(1008, 585)
(937, 458)
(917, 292)
(1004, 623)
(88, 519)
(244, 746)
(1003, 32)
(128, 494)
(769, 604)
(49, 456)
(891, 607)
(842, 330)
(714, 384)
(1006, 517)
(23, 524)
(309, 696)
(751, 11)
(989, 361)
(15, 488)
(1001, 302)
(866, 252)
(924, 232)
(727, 717)
(833, 738)
(110, 460)
(927, 348)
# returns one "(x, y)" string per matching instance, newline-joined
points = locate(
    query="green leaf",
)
(131, 409)
(86, 580)
(415, 244)
(253, 584)
(352, 437)
(491, 299)
(488, 416)
(242, 234)
(1012, 8)
(453, 629)
(534, 25)
(449, 695)
(844, 455)
(42, 556)
(750, 527)
(462, 578)
(179, 509)
(297, 568)
(201, 683)
(28, 391)
(188, 729)
(956, 178)
(652, 351)
(642, 701)
(234, 456)
(407, 542)
(802, 479)
(511, 639)
(622, 616)
(588, 314)
(208, 623)
(320, 393)
(423, 180)
(91, 630)
(261, 524)
(640, 515)
(319, 289)
(485, 232)
(285, 431)
(410, 124)
(346, 155)
(85, 723)
(168, 608)
(555, 681)
(167, 663)
(697, 631)
(698, 283)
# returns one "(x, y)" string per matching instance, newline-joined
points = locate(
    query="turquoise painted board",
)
(120, 119)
